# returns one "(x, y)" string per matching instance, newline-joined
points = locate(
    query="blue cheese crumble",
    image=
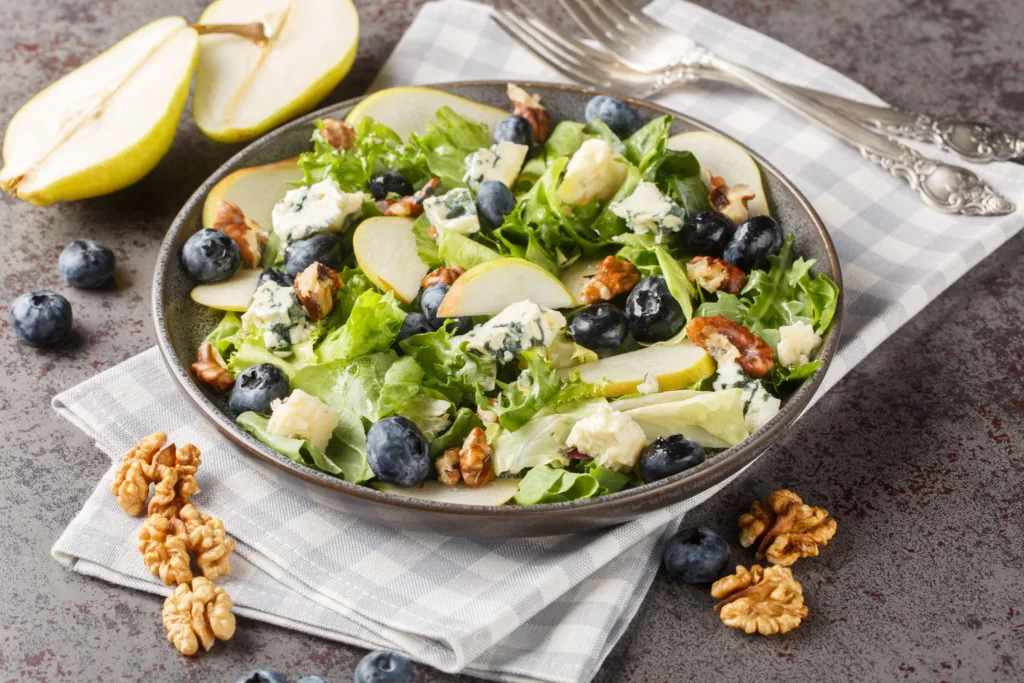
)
(519, 327)
(275, 311)
(501, 162)
(455, 211)
(649, 211)
(759, 406)
(320, 207)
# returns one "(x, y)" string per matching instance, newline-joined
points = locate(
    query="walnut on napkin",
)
(198, 614)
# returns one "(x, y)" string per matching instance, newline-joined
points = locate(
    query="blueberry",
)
(653, 313)
(754, 240)
(324, 247)
(256, 387)
(41, 318)
(414, 323)
(86, 263)
(616, 114)
(706, 234)
(398, 452)
(696, 555)
(263, 676)
(210, 256)
(275, 275)
(313, 679)
(383, 666)
(430, 301)
(669, 455)
(600, 328)
(389, 182)
(494, 201)
(514, 128)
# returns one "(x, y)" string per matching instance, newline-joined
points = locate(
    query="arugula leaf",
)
(646, 145)
(780, 375)
(462, 425)
(449, 139)
(517, 404)
(372, 325)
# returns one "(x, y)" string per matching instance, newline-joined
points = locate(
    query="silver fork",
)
(642, 43)
(943, 187)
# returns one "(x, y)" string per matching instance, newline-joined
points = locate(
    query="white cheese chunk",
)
(454, 210)
(520, 326)
(610, 437)
(759, 406)
(649, 211)
(321, 207)
(301, 416)
(650, 385)
(276, 312)
(594, 173)
(797, 343)
(501, 162)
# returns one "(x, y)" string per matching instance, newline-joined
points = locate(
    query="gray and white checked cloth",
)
(546, 609)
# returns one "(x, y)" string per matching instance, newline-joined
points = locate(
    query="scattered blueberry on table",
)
(431, 300)
(384, 666)
(754, 241)
(653, 313)
(41, 318)
(616, 114)
(324, 247)
(263, 676)
(86, 264)
(696, 555)
(256, 387)
(210, 256)
(494, 201)
(514, 128)
(668, 455)
(602, 327)
(389, 182)
(397, 452)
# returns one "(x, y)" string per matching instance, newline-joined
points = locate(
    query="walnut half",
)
(338, 134)
(727, 341)
(245, 232)
(765, 601)
(197, 615)
(207, 539)
(163, 542)
(529, 107)
(211, 368)
(442, 276)
(316, 287)
(787, 528)
(447, 466)
(475, 459)
(136, 472)
(613, 277)
(715, 274)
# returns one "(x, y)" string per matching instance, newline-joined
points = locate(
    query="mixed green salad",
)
(533, 311)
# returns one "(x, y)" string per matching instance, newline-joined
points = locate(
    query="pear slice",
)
(725, 159)
(106, 124)
(408, 109)
(385, 248)
(578, 275)
(244, 89)
(676, 366)
(498, 492)
(488, 288)
(254, 190)
(234, 294)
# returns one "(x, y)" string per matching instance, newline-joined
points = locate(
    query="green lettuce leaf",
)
(647, 145)
(465, 420)
(714, 419)
(426, 246)
(517, 404)
(252, 351)
(447, 368)
(371, 387)
(345, 456)
(227, 335)
(599, 129)
(546, 484)
(448, 140)
(565, 139)
(675, 277)
(372, 325)
(429, 411)
(456, 249)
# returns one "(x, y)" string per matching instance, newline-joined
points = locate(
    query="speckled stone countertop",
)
(918, 452)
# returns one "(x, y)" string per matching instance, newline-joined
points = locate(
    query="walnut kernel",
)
(245, 232)
(133, 476)
(730, 201)
(196, 615)
(475, 459)
(442, 276)
(765, 601)
(447, 466)
(316, 287)
(715, 274)
(211, 368)
(164, 545)
(726, 340)
(787, 528)
(411, 206)
(338, 134)
(208, 541)
(613, 277)
(529, 107)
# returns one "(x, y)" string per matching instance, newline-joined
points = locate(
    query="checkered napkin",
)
(546, 609)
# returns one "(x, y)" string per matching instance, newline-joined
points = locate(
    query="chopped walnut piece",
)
(715, 274)
(475, 459)
(211, 368)
(195, 615)
(613, 277)
(765, 601)
(447, 465)
(208, 541)
(529, 107)
(133, 476)
(245, 232)
(788, 529)
(316, 287)
(411, 206)
(726, 340)
(164, 545)
(730, 201)
(442, 276)
(338, 134)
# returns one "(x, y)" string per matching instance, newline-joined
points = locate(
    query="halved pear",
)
(106, 124)
(725, 159)
(498, 492)
(385, 248)
(254, 190)
(408, 109)
(491, 286)
(234, 294)
(578, 275)
(244, 89)
(676, 366)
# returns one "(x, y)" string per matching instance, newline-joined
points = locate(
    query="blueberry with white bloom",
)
(706, 234)
(389, 182)
(256, 388)
(696, 555)
(653, 313)
(275, 275)
(324, 247)
(669, 455)
(602, 327)
(41, 318)
(431, 300)
(616, 114)
(397, 452)
(754, 240)
(86, 263)
(494, 201)
(210, 256)
(514, 128)
(263, 676)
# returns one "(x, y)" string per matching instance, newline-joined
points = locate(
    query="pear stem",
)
(256, 31)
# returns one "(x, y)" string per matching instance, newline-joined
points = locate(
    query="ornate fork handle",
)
(978, 142)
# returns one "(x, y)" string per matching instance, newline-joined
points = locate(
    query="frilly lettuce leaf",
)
(465, 420)
(448, 369)
(252, 351)
(345, 456)
(372, 325)
(227, 335)
(448, 140)
(540, 441)
(516, 404)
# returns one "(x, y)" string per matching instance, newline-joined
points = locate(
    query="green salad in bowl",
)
(520, 309)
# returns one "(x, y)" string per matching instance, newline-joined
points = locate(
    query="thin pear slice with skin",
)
(106, 124)
(497, 492)
(254, 190)
(234, 294)
(385, 248)
(487, 289)
(677, 366)
(725, 159)
(244, 89)
(408, 109)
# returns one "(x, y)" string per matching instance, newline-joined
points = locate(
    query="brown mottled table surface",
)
(918, 452)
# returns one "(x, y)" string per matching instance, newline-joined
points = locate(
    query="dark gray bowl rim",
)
(692, 482)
